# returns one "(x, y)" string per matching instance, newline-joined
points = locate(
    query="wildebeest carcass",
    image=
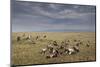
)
(28, 37)
(77, 44)
(37, 37)
(52, 54)
(87, 45)
(76, 48)
(44, 36)
(55, 43)
(72, 50)
(18, 38)
(43, 51)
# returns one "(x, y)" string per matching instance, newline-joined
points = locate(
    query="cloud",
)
(34, 16)
(51, 10)
(65, 14)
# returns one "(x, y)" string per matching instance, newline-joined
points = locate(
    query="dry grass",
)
(24, 52)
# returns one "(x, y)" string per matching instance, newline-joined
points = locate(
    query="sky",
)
(52, 17)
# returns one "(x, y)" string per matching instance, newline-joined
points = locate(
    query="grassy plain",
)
(24, 52)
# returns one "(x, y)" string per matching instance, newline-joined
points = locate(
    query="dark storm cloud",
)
(34, 16)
